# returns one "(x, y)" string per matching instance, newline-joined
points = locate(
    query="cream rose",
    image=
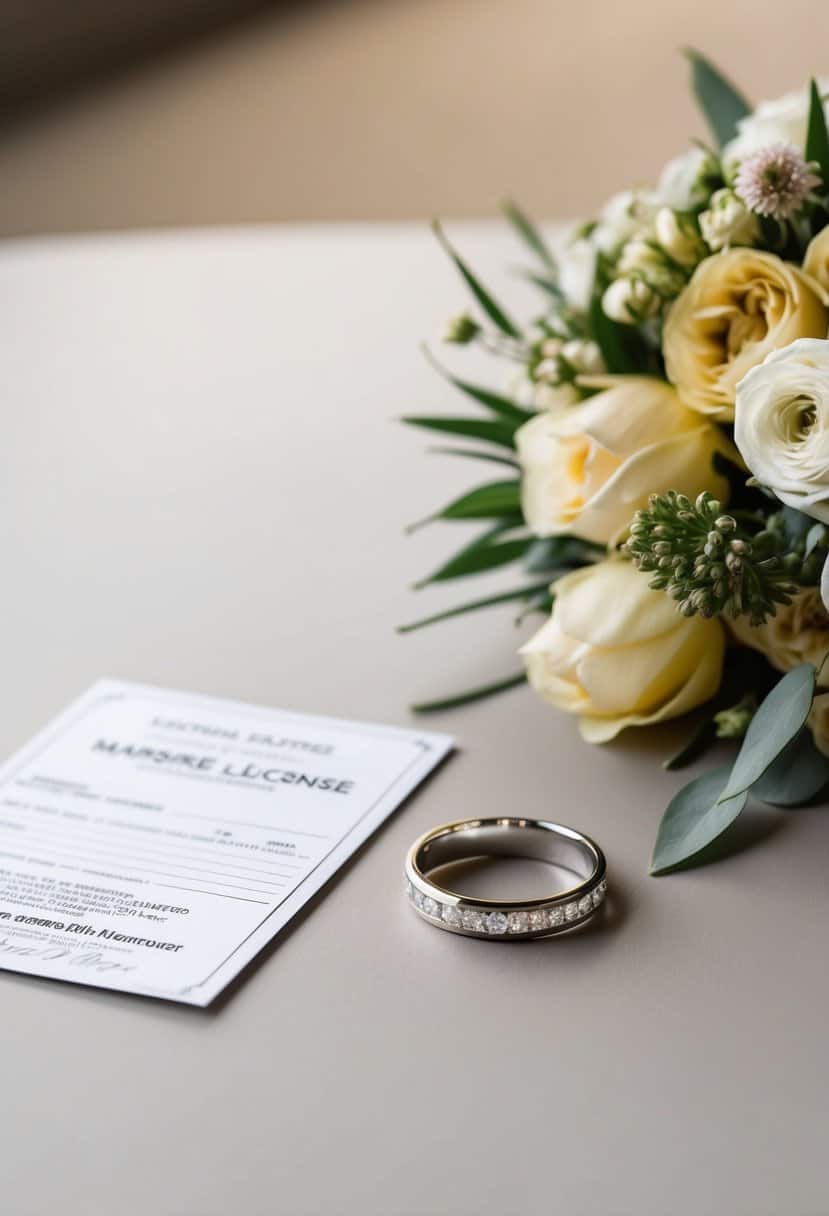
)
(799, 633)
(739, 305)
(587, 468)
(619, 654)
(816, 261)
(781, 425)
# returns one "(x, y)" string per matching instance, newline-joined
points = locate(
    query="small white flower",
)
(624, 216)
(584, 356)
(576, 272)
(682, 181)
(775, 181)
(781, 120)
(547, 371)
(728, 222)
(645, 260)
(630, 301)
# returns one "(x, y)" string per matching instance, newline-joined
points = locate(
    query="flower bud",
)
(728, 222)
(461, 329)
(733, 723)
(583, 356)
(630, 301)
(678, 238)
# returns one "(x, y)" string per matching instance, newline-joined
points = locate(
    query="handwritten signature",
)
(92, 959)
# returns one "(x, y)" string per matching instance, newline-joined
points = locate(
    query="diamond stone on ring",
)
(506, 920)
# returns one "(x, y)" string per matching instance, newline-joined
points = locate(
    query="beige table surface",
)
(202, 487)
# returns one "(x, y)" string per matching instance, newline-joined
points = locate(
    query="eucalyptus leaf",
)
(798, 774)
(473, 694)
(814, 537)
(487, 302)
(817, 137)
(491, 431)
(528, 232)
(492, 401)
(695, 816)
(504, 597)
(776, 723)
(720, 102)
(796, 524)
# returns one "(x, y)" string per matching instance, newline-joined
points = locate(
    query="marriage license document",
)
(154, 841)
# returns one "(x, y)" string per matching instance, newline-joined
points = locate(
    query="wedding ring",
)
(506, 920)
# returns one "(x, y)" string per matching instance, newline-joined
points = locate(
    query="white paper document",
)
(154, 841)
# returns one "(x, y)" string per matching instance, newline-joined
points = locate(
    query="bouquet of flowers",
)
(665, 446)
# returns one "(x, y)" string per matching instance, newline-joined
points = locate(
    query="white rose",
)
(781, 424)
(586, 468)
(681, 183)
(576, 272)
(781, 120)
(728, 222)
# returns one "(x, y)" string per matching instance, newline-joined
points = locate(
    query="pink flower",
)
(775, 181)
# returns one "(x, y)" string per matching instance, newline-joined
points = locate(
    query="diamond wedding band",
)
(507, 920)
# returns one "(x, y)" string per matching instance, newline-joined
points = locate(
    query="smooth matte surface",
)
(203, 487)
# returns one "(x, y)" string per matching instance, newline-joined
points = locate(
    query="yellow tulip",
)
(587, 468)
(618, 654)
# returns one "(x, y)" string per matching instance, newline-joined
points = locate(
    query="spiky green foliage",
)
(709, 563)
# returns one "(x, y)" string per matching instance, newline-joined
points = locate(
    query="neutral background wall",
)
(381, 108)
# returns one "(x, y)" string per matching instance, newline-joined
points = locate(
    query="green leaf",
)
(541, 603)
(499, 405)
(817, 137)
(504, 597)
(474, 454)
(485, 553)
(814, 537)
(552, 552)
(777, 721)
(473, 694)
(549, 286)
(486, 502)
(529, 234)
(698, 742)
(498, 432)
(720, 102)
(492, 309)
(695, 816)
(796, 776)
(612, 339)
